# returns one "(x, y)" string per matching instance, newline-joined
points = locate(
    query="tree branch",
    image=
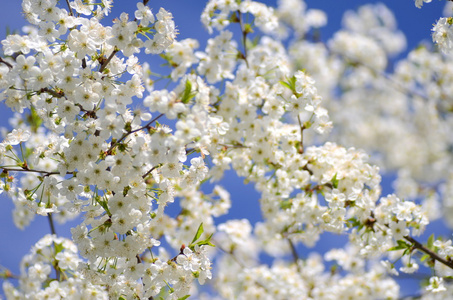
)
(6, 63)
(106, 62)
(244, 38)
(152, 169)
(52, 226)
(433, 255)
(296, 257)
(33, 171)
(133, 131)
(71, 13)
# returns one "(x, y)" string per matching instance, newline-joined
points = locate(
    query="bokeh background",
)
(415, 23)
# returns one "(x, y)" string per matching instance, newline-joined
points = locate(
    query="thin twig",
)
(71, 13)
(152, 169)
(133, 131)
(46, 173)
(244, 38)
(233, 146)
(52, 92)
(52, 226)
(296, 257)
(6, 63)
(106, 62)
(52, 230)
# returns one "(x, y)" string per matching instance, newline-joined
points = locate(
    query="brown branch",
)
(244, 38)
(53, 231)
(106, 62)
(71, 13)
(152, 169)
(52, 92)
(296, 257)
(6, 63)
(233, 146)
(45, 173)
(52, 226)
(133, 131)
(433, 255)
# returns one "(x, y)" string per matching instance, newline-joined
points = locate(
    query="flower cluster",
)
(443, 34)
(83, 151)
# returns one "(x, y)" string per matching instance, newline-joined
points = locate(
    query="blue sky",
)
(415, 23)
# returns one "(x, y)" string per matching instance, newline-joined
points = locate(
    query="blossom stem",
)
(302, 127)
(6, 273)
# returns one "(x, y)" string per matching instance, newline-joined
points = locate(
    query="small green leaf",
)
(58, 248)
(248, 29)
(285, 84)
(184, 297)
(286, 204)
(200, 231)
(292, 83)
(424, 257)
(335, 181)
(401, 245)
(354, 223)
(203, 243)
(431, 242)
(187, 92)
(206, 242)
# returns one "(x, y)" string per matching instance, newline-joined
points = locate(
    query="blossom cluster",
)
(83, 151)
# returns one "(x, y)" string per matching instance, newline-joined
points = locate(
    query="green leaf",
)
(286, 204)
(354, 223)
(206, 242)
(187, 92)
(200, 231)
(292, 83)
(335, 181)
(58, 248)
(431, 242)
(248, 28)
(285, 84)
(401, 245)
(424, 257)
(184, 297)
